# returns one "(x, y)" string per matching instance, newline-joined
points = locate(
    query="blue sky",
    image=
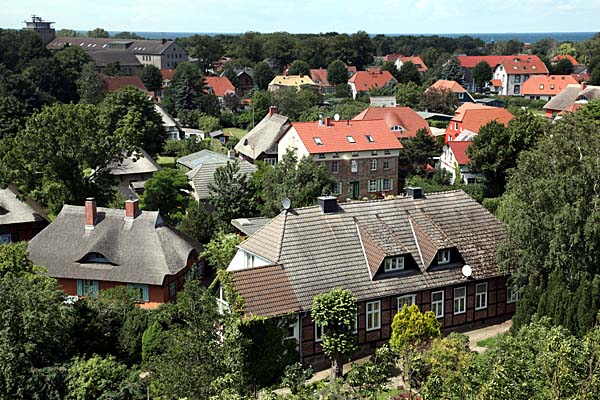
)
(374, 16)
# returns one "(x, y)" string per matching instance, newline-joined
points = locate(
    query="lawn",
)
(487, 342)
(165, 161)
(237, 132)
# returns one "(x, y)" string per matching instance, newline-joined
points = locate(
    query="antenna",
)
(336, 117)
(287, 203)
(467, 271)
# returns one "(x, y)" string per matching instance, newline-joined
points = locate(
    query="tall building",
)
(43, 28)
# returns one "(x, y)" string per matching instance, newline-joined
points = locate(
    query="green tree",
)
(220, 250)
(408, 94)
(51, 78)
(439, 101)
(337, 73)
(97, 377)
(263, 75)
(362, 49)
(418, 152)
(208, 123)
(90, 85)
(167, 191)
(98, 33)
(452, 71)
(187, 88)
(299, 67)
(13, 115)
(128, 35)
(409, 73)
(205, 48)
(279, 47)
(151, 77)
(482, 74)
(67, 33)
(336, 312)
(372, 377)
(562, 67)
(230, 194)
(198, 223)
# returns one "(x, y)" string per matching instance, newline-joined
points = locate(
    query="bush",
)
(295, 377)
(491, 204)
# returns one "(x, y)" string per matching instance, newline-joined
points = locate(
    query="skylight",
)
(318, 141)
(350, 139)
(370, 138)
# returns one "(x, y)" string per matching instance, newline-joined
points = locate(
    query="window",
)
(393, 264)
(437, 303)
(460, 300)
(334, 166)
(373, 152)
(512, 294)
(355, 154)
(369, 138)
(335, 155)
(353, 166)
(373, 315)
(338, 188)
(407, 299)
(444, 256)
(387, 152)
(222, 304)
(249, 260)
(372, 185)
(318, 141)
(142, 291)
(94, 257)
(551, 87)
(387, 184)
(5, 239)
(456, 126)
(517, 89)
(517, 78)
(321, 155)
(318, 332)
(373, 164)
(270, 161)
(172, 289)
(87, 287)
(541, 86)
(386, 163)
(350, 139)
(461, 95)
(292, 329)
(481, 296)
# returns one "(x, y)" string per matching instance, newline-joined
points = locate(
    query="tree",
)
(409, 73)
(372, 377)
(151, 77)
(12, 116)
(336, 312)
(263, 75)
(482, 74)
(419, 152)
(230, 193)
(220, 250)
(439, 101)
(197, 223)
(279, 47)
(90, 85)
(362, 49)
(205, 48)
(98, 33)
(452, 71)
(208, 124)
(337, 73)
(128, 35)
(408, 94)
(186, 88)
(562, 67)
(412, 332)
(507, 47)
(97, 377)
(67, 33)
(299, 67)
(53, 79)
(167, 191)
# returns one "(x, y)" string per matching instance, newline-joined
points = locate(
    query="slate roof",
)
(143, 250)
(263, 137)
(98, 44)
(125, 59)
(16, 211)
(393, 116)
(318, 252)
(114, 83)
(546, 85)
(139, 163)
(249, 226)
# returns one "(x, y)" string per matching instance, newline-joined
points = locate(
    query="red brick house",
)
(89, 249)
(19, 219)
(407, 250)
(471, 116)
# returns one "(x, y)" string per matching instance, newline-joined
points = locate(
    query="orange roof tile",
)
(415, 60)
(114, 83)
(220, 85)
(367, 80)
(524, 64)
(546, 85)
(167, 74)
(496, 82)
(338, 136)
(472, 61)
(459, 149)
(392, 57)
(569, 57)
(393, 116)
(473, 116)
(320, 76)
(452, 86)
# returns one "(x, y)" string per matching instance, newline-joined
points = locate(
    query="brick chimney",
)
(583, 85)
(132, 208)
(273, 110)
(327, 121)
(90, 213)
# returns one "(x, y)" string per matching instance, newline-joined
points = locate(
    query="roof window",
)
(370, 138)
(318, 141)
(541, 86)
(350, 139)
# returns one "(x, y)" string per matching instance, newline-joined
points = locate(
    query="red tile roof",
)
(367, 80)
(546, 85)
(496, 82)
(393, 116)
(114, 83)
(581, 77)
(391, 57)
(473, 116)
(320, 76)
(524, 64)
(220, 85)
(334, 138)
(459, 149)
(417, 61)
(569, 57)
(472, 61)
(167, 74)
(452, 86)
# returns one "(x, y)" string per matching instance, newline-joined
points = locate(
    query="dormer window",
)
(95, 257)
(3, 211)
(393, 264)
(443, 256)
(541, 86)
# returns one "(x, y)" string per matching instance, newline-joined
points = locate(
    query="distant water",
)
(486, 37)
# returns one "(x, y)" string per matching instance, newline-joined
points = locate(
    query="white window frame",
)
(372, 185)
(460, 301)
(393, 264)
(248, 260)
(481, 296)
(386, 163)
(373, 310)
(401, 300)
(373, 164)
(512, 294)
(353, 166)
(295, 328)
(437, 305)
(319, 328)
(443, 256)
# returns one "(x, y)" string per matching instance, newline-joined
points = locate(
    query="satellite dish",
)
(467, 271)
(336, 117)
(287, 203)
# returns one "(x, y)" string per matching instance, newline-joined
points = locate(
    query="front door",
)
(354, 190)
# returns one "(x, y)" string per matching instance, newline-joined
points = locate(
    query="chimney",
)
(132, 208)
(231, 154)
(328, 204)
(414, 192)
(90, 213)
(163, 41)
(327, 121)
(273, 110)
(583, 85)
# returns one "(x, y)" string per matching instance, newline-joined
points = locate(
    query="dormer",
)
(94, 257)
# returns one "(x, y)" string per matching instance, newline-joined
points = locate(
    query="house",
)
(545, 87)
(490, 101)
(20, 219)
(361, 155)
(382, 101)
(131, 173)
(437, 251)
(163, 54)
(319, 77)
(203, 165)
(172, 128)
(245, 81)
(452, 86)
(115, 83)
(167, 76)
(399, 60)
(125, 62)
(467, 63)
(364, 81)
(221, 136)
(514, 71)
(454, 159)
(260, 144)
(291, 81)
(220, 86)
(571, 98)
(245, 227)
(89, 249)
(402, 121)
(471, 117)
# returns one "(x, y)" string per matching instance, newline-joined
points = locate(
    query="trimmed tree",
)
(482, 73)
(336, 312)
(337, 73)
(151, 77)
(263, 75)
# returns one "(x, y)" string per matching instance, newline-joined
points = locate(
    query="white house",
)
(513, 71)
(454, 159)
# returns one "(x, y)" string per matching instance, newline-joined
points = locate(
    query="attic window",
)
(393, 264)
(318, 141)
(443, 256)
(551, 87)
(370, 138)
(95, 257)
(398, 128)
(350, 139)
(541, 86)
(533, 67)
(3, 211)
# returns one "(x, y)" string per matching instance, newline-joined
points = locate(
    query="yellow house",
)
(296, 81)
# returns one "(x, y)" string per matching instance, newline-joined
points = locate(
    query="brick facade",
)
(25, 231)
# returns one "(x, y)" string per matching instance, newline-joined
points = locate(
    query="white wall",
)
(242, 259)
(291, 140)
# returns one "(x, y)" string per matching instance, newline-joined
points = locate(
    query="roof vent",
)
(414, 192)
(328, 204)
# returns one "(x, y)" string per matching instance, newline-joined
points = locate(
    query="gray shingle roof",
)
(570, 94)
(263, 137)
(204, 174)
(141, 250)
(139, 163)
(249, 226)
(103, 44)
(321, 251)
(198, 158)
(15, 211)
(124, 58)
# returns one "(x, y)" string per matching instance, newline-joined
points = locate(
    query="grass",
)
(387, 394)
(237, 132)
(487, 342)
(165, 161)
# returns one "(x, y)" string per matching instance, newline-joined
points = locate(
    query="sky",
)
(311, 16)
